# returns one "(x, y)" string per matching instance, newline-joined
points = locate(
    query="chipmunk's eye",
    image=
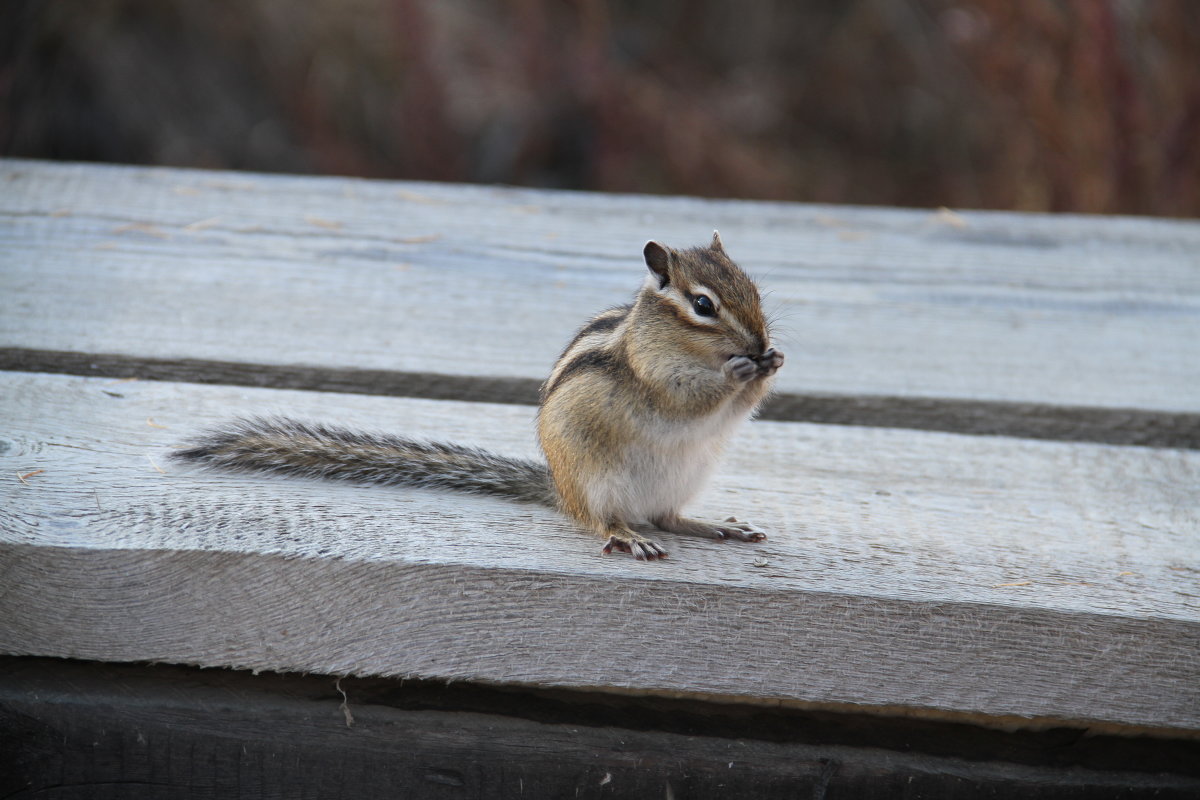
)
(703, 306)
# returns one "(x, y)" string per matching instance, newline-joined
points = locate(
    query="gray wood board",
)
(480, 281)
(97, 731)
(935, 572)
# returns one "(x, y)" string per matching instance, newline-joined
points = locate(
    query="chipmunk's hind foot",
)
(623, 539)
(741, 531)
(731, 529)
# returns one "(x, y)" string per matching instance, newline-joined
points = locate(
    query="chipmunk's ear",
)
(658, 259)
(716, 244)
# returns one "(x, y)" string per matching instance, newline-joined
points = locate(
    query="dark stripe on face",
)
(665, 306)
(588, 361)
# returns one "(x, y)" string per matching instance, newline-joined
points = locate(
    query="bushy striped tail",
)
(287, 447)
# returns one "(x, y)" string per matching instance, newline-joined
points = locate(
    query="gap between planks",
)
(1116, 426)
(285, 707)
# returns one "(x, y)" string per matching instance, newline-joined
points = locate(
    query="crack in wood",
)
(1116, 426)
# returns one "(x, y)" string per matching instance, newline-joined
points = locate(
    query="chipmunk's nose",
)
(756, 347)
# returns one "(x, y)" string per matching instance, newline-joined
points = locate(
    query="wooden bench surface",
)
(992, 578)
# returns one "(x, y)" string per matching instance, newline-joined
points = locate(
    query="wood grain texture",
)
(93, 731)
(480, 281)
(933, 572)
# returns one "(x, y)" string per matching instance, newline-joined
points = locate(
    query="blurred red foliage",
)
(1064, 105)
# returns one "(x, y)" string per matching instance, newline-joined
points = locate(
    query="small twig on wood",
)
(161, 471)
(22, 478)
(150, 421)
(345, 706)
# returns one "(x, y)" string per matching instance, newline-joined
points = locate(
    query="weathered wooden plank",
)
(941, 573)
(478, 281)
(94, 731)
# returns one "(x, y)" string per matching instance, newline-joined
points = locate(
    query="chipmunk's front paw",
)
(641, 548)
(769, 363)
(741, 368)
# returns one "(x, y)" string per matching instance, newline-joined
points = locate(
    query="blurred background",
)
(1046, 105)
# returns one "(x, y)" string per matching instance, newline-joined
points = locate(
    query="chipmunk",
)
(632, 420)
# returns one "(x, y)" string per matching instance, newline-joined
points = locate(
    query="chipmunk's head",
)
(710, 297)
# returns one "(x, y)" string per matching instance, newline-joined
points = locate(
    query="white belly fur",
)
(664, 469)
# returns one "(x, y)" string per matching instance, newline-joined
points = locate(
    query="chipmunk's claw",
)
(639, 547)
